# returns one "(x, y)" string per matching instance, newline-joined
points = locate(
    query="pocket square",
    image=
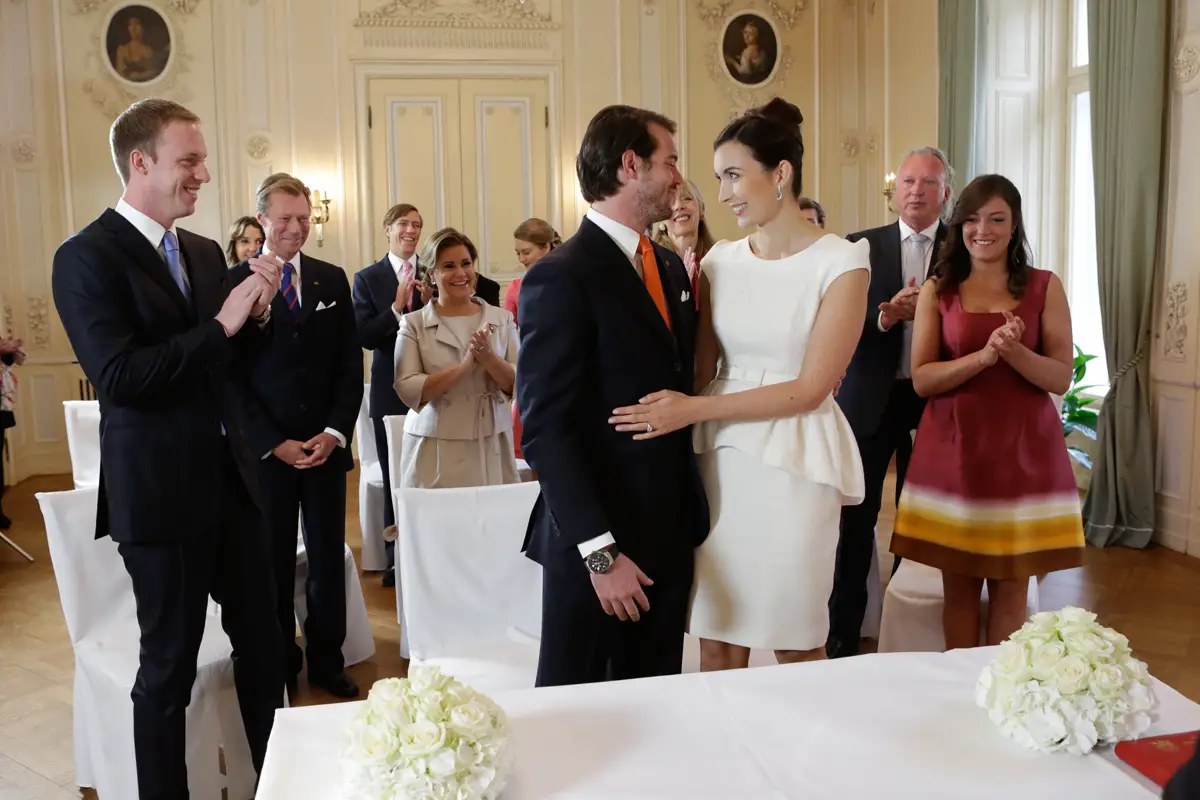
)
(321, 305)
(684, 296)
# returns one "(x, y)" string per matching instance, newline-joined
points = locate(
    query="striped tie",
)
(288, 289)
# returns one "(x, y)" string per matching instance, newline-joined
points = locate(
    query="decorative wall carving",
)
(449, 38)
(182, 6)
(37, 316)
(715, 15)
(850, 145)
(1187, 63)
(1175, 333)
(24, 150)
(649, 8)
(511, 14)
(9, 329)
(258, 147)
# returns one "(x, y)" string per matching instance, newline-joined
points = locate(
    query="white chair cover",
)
(393, 428)
(359, 644)
(473, 601)
(83, 441)
(912, 610)
(370, 489)
(98, 603)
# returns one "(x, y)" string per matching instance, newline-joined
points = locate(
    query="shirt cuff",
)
(396, 313)
(341, 439)
(592, 545)
(879, 323)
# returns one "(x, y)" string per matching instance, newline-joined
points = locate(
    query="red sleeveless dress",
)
(990, 492)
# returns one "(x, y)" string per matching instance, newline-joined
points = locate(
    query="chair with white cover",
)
(472, 600)
(83, 441)
(98, 604)
(359, 644)
(912, 610)
(371, 493)
(393, 428)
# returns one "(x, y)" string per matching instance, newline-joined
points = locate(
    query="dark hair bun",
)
(780, 112)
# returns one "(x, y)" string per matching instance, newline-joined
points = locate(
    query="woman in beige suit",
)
(455, 366)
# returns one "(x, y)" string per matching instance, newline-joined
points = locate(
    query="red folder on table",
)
(1158, 757)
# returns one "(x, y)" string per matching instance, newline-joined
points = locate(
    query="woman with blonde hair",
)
(246, 238)
(532, 239)
(455, 368)
(686, 229)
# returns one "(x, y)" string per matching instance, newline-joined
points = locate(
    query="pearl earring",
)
(779, 192)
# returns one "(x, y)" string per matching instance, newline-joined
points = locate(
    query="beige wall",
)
(281, 85)
(1175, 348)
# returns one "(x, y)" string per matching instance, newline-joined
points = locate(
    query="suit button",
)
(678, 367)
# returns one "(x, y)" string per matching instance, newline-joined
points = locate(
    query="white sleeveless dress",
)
(775, 487)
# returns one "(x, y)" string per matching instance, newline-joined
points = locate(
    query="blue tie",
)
(288, 289)
(170, 246)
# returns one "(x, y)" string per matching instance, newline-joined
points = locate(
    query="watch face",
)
(598, 562)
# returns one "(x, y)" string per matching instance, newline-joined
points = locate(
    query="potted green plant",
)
(1076, 416)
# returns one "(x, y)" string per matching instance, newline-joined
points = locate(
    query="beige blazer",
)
(475, 407)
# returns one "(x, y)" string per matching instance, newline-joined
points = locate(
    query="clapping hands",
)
(1005, 341)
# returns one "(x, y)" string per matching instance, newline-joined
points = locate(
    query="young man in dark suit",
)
(157, 326)
(383, 293)
(487, 290)
(606, 318)
(306, 386)
(877, 394)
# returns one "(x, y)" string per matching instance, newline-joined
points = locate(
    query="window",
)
(1083, 289)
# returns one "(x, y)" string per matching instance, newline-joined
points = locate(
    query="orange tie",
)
(652, 279)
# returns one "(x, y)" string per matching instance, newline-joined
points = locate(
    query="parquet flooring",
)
(1152, 596)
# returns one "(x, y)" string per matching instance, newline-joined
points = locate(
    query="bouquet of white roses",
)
(1064, 682)
(425, 737)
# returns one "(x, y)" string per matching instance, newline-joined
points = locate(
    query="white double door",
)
(470, 153)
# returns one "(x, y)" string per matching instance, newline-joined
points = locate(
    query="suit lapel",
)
(143, 255)
(310, 289)
(207, 290)
(625, 281)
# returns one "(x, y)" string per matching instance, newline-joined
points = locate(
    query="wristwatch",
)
(600, 561)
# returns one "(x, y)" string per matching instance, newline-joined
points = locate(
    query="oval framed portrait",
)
(750, 49)
(137, 43)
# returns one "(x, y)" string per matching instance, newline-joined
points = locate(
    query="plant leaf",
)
(1086, 430)
(1084, 417)
(1083, 458)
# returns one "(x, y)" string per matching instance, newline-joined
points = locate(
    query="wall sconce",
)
(889, 189)
(320, 214)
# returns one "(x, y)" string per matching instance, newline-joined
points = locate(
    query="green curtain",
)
(1128, 50)
(957, 40)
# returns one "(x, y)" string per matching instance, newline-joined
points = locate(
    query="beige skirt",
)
(427, 462)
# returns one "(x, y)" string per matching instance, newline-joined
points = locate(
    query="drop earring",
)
(779, 192)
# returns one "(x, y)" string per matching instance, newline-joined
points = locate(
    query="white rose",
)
(1072, 620)
(1092, 647)
(1012, 662)
(471, 720)
(422, 739)
(1045, 657)
(427, 679)
(376, 742)
(1136, 670)
(1119, 641)
(1043, 621)
(387, 693)
(1106, 682)
(1071, 675)
(430, 706)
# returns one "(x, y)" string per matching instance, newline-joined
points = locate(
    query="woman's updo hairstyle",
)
(772, 135)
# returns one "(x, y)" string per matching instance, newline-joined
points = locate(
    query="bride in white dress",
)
(781, 312)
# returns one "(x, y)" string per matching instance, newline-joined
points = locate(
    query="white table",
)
(888, 725)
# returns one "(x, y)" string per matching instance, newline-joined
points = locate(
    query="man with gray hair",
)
(877, 394)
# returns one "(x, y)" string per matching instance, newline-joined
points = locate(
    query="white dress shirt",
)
(628, 240)
(398, 267)
(153, 231)
(914, 266)
(295, 262)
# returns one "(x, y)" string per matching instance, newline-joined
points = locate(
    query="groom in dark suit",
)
(156, 325)
(306, 386)
(383, 293)
(606, 319)
(877, 394)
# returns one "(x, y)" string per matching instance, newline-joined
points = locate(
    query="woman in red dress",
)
(990, 494)
(532, 239)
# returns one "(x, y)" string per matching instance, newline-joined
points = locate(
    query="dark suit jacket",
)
(162, 370)
(872, 371)
(591, 341)
(374, 292)
(488, 291)
(308, 376)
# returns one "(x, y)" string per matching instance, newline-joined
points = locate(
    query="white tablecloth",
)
(888, 725)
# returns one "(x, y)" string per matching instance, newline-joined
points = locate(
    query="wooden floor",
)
(1152, 596)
